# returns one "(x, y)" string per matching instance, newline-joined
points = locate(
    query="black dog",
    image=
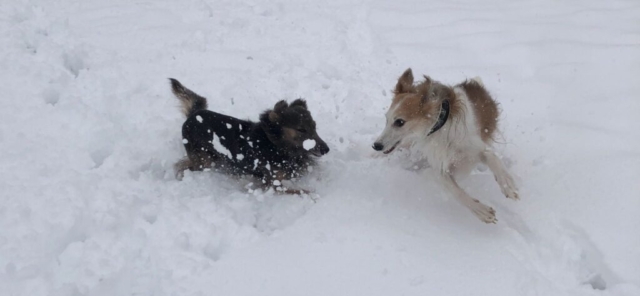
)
(278, 147)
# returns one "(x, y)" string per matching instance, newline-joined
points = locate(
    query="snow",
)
(217, 146)
(199, 118)
(228, 126)
(90, 131)
(308, 144)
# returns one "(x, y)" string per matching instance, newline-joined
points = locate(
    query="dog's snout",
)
(321, 148)
(378, 146)
(324, 149)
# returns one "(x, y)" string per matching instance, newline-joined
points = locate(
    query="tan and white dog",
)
(453, 128)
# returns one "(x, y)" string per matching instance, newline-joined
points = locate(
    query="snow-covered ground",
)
(89, 132)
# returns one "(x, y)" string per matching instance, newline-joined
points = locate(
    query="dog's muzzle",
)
(379, 147)
(320, 150)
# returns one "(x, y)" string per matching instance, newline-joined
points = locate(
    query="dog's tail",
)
(190, 101)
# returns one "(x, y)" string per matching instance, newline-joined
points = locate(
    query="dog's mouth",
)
(315, 153)
(392, 148)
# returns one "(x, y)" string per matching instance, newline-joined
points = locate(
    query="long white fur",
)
(457, 143)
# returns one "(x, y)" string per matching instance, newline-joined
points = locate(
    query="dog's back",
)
(484, 107)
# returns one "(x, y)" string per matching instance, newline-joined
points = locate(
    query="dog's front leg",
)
(483, 212)
(279, 187)
(292, 191)
(274, 180)
(500, 173)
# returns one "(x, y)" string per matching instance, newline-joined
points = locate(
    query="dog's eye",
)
(303, 131)
(398, 122)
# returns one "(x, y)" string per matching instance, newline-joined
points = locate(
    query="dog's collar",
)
(442, 118)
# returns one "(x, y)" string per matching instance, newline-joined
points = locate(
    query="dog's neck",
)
(442, 118)
(280, 152)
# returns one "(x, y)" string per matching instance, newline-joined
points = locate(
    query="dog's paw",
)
(179, 175)
(296, 191)
(508, 187)
(290, 191)
(485, 213)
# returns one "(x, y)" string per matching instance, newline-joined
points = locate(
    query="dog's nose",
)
(377, 146)
(324, 150)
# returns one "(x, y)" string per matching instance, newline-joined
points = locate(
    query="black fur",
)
(270, 149)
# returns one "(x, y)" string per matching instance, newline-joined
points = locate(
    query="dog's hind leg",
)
(200, 159)
(181, 166)
(485, 213)
(197, 161)
(500, 173)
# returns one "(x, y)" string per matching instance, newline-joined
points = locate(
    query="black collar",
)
(442, 118)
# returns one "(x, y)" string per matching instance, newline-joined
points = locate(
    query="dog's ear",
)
(273, 116)
(427, 79)
(299, 103)
(439, 93)
(424, 87)
(270, 122)
(278, 108)
(405, 83)
(435, 92)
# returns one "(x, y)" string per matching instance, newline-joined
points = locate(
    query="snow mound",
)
(308, 144)
(217, 146)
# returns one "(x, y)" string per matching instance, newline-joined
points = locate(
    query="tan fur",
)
(420, 104)
(486, 109)
(289, 134)
(405, 83)
(273, 116)
(196, 162)
(185, 105)
(181, 166)
(190, 102)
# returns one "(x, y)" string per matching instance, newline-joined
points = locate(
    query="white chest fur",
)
(456, 147)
